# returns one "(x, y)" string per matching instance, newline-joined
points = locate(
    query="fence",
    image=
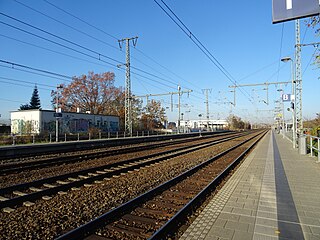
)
(309, 142)
(51, 138)
(313, 145)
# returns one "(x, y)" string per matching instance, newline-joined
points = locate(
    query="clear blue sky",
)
(240, 34)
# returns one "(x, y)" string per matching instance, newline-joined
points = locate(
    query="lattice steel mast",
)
(128, 98)
(206, 91)
(298, 81)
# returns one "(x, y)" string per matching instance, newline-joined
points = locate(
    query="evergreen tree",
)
(35, 100)
(24, 107)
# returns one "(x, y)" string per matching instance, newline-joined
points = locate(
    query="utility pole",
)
(206, 91)
(179, 93)
(179, 109)
(267, 84)
(128, 103)
(58, 112)
(298, 85)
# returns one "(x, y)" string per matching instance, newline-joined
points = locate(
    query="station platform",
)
(274, 194)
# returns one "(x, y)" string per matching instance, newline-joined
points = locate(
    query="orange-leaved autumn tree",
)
(153, 115)
(93, 92)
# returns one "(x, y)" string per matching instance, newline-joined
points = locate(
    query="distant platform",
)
(274, 194)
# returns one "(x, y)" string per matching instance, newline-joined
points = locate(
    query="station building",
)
(36, 121)
(204, 124)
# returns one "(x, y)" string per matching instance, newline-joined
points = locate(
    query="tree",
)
(95, 93)
(153, 115)
(34, 101)
(315, 24)
(24, 107)
(92, 92)
(237, 123)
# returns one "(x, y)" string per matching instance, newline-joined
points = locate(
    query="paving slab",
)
(274, 194)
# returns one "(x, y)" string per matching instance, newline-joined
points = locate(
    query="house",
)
(36, 121)
(204, 124)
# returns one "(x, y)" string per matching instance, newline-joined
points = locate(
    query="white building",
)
(44, 121)
(203, 124)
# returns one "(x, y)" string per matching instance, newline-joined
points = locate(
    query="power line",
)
(112, 36)
(257, 71)
(35, 69)
(280, 51)
(199, 44)
(67, 25)
(89, 24)
(10, 100)
(54, 51)
(59, 44)
(23, 81)
(35, 73)
(88, 55)
(74, 57)
(23, 85)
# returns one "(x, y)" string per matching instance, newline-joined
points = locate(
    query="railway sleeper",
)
(127, 232)
(174, 199)
(142, 222)
(18, 193)
(2, 198)
(165, 205)
(152, 213)
(62, 182)
(47, 185)
(34, 189)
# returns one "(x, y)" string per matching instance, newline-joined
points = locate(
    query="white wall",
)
(36, 121)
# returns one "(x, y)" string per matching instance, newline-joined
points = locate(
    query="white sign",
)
(286, 97)
(289, 4)
(286, 10)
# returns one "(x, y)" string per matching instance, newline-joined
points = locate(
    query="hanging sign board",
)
(286, 97)
(286, 10)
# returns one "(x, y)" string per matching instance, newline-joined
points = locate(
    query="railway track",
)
(32, 165)
(63, 148)
(44, 188)
(154, 214)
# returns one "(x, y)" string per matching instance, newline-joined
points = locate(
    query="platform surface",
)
(274, 194)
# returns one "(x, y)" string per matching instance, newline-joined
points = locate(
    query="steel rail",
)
(194, 203)
(114, 214)
(20, 151)
(27, 165)
(139, 162)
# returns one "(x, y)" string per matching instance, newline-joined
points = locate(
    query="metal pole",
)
(128, 100)
(207, 105)
(298, 83)
(179, 98)
(57, 111)
(318, 149)
(293, 109)
(311, 147)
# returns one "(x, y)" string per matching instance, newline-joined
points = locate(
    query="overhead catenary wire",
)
(67, 25)
(280, 51)
(32, 72)
(200, 45)
(59, 44)
(24, 81)
(54, 51)
(13, 65)
(88, 35)
(195, 91)
(89, 24)
(23, 85)
(112, 36)
(88, 55)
